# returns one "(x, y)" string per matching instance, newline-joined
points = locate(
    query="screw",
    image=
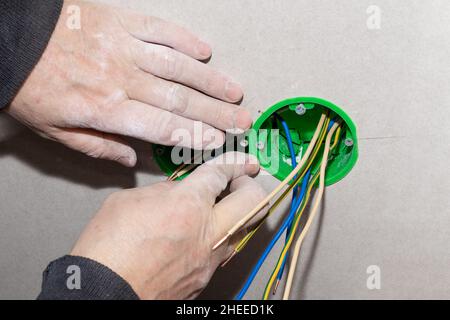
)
(300, 109)
(160, 151)
(348, 142)
(260, 145)
(244, 143)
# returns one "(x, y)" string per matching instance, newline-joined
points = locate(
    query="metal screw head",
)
(244, 143)
(349, 142)
(300, 109)
(260, 145)
(159, 151)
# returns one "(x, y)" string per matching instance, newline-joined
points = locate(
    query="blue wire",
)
(284, 226)
(293, 157)
(294, 195)
(292, 217)
(294, 164)
(289, 140)
(296, 201)
(280, 272)
(332, 121)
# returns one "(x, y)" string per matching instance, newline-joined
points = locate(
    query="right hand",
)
(126, 74)
(160, 238)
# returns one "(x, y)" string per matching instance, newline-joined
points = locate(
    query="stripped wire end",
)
(229, 259)
(276, 287)
(218, 244)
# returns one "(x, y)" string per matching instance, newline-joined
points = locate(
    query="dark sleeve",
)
(78, 278)
(25, 29)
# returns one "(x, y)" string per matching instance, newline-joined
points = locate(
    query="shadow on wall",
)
(227, 281)
(53, 159)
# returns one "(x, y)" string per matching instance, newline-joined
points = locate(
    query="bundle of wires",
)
(301, 181)
(304, 181)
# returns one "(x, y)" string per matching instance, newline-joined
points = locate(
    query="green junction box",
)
(271, 148)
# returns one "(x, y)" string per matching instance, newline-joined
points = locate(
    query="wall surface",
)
(392, 211)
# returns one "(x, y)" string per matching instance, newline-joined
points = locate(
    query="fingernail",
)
(242, 119)
(233, 91)
(204, 49)
(127, 161)
(131, 160)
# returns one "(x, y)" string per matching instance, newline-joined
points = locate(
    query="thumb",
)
(245, 194)
(211, 179)
(98, 145)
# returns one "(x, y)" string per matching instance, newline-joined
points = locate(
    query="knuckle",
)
(218, 114)
(172, 65)
(97, 150)
(166, 127)
(92, 115)
(213, 174)
(177, 99)
(149, 52)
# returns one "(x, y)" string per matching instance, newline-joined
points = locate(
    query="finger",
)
(245, 194)
(188, 103)
(172, 65)
(155, 30)
(211, 179)
(98, 145)
(148, 123)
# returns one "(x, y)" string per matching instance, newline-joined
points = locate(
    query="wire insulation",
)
(263, 203)
(314, 210)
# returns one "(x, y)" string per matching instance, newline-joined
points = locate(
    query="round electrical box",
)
(267, 139)
(302, 116)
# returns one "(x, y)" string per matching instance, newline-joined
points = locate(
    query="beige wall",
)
(393, 210)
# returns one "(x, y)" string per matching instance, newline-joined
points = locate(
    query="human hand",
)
(126, 74)
(160, 238)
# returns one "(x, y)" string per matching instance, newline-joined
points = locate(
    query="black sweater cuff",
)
(79, 278)
(25, 29)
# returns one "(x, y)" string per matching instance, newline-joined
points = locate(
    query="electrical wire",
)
(287, 132)
(263, 203)
(291, 237)
(297, 206)
(272, 243)
(283, 254)
(314, 210)
(247, 238)
(317, 147)
(244, 241)
(185, 168)
(329, 125)
(287, 222)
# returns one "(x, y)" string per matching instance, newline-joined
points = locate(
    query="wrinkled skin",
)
(125, 74)
(160, 238)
